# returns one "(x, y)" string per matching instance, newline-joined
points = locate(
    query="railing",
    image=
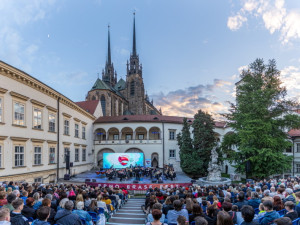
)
(124, 142)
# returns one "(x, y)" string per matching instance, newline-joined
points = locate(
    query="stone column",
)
(134, 136)
(148, 134)
(120, 137)
(107, 134)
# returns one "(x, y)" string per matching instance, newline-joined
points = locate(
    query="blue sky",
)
(191, 51)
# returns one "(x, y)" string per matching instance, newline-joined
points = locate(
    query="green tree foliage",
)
(260, 120)
(195, 153)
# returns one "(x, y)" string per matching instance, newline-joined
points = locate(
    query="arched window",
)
(132, 88)
(103, 105)
(93, 98)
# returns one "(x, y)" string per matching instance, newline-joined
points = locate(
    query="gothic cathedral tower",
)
(135, 92)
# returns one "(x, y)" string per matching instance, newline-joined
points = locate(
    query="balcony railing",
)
(124, 142)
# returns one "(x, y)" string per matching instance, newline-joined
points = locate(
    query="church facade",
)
(120, 97)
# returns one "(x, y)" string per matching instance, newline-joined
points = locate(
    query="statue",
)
(214, 169)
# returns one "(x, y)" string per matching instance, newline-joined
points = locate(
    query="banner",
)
(148, 163)
(137, 187)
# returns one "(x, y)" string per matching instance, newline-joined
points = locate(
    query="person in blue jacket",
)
(43, 214)
(270, 214)
(66, 217)
(254, 201)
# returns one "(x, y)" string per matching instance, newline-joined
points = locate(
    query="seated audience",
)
(173, 214)
(16, 218)
(66, 217)
(270, 214)
(4, 216)
(289, 206)
(248, 215)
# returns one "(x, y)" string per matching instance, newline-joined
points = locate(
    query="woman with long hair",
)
(93, 206)
(211, 215)
(278, 204)
(224, 218)
(189, 205)
(197, 211)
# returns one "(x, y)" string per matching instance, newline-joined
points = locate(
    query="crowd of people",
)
(264, 202)
(38, 204)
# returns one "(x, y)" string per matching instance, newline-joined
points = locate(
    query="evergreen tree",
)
(204, 140)
(260, 119)
(195, 153)
(186, 147)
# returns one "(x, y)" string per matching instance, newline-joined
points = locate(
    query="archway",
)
(100, 134)
(140, 133)
(154, 160)
(154, 133)
(127, 133)
(113, 133)
(100, 156)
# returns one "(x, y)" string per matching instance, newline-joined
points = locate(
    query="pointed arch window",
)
(103, 105)
(132, 88)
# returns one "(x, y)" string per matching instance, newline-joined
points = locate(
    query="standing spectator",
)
(4, 216)
(248, 215)
(270, 215)
(66, 217)
(289, 206)
(16, 217)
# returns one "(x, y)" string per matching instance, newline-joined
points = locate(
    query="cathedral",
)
(120, 97)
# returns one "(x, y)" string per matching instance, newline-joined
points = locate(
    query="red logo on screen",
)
(123, 160)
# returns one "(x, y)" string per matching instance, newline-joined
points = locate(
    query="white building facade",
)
(153, 135)
(38, 128)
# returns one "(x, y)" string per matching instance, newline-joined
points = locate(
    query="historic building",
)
(40, 130)
(119, 97)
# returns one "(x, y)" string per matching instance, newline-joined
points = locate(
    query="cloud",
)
(186, 102)
(15, 16)
(290, 77)
(236, 22)
(275, 17)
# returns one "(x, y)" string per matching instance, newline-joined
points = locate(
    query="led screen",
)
(122, 160)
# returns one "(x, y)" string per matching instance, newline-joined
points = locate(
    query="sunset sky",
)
(192, 51)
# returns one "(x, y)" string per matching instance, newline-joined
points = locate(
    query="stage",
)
(143, 184)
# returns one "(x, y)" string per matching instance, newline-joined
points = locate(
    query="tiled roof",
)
(147, 119)
(89, 106)
(294, 133)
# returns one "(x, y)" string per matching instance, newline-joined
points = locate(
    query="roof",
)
(294, 133)
(99, 84)
(148, 119)
(89, 106)
(42, 87)
(121, 85)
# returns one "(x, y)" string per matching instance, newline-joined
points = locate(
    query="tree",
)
(195, 153)
(260, 119)
(186, 147)
(204, 140)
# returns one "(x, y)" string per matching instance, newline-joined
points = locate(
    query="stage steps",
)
(130, 213)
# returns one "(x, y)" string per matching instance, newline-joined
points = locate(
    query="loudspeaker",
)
(67, 161)
(87, 180)
(71, 164)
(248, 166)
(135, 181)
(67, 177)
(154, 181)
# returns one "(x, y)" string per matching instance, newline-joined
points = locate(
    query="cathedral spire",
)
(134, 39)
(108, 47)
